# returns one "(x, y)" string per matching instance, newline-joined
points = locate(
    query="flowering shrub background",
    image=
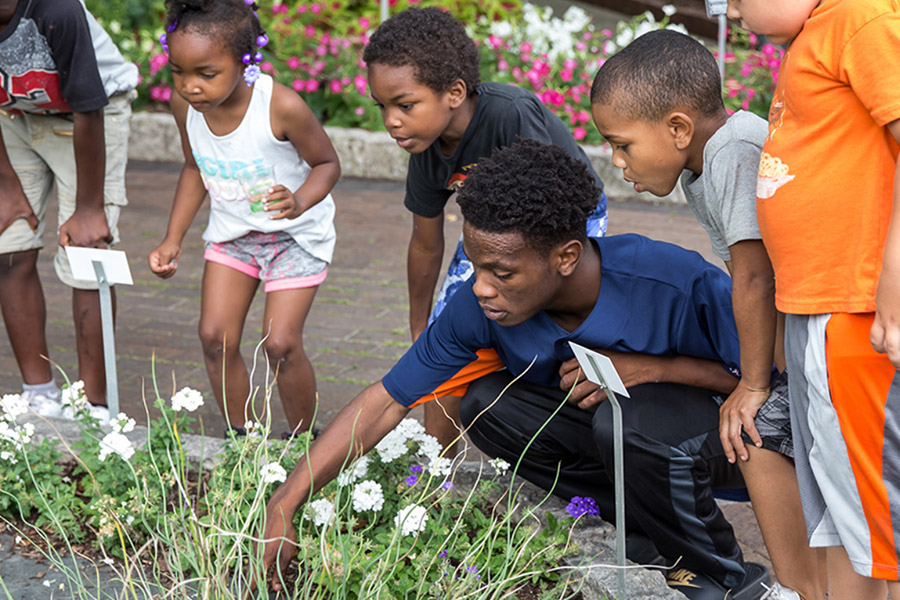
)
(316, 47)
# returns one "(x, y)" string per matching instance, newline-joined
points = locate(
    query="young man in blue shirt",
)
(661, 312)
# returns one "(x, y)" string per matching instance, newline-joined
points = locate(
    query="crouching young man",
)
(662, 313)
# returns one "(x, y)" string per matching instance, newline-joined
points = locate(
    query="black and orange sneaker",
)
(697, 586)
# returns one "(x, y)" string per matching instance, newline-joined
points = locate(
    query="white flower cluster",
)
(396, 444)
(13, 406)
(122, 423)
(368, 495)
(500, 465)
(411, 519)
(115, 441)
(74, 399)
(322, 512)
(356, 471)
(628, 31)
(187, 399)
(273, 473)
(547, 34)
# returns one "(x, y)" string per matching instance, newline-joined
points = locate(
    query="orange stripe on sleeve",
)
(486, 363)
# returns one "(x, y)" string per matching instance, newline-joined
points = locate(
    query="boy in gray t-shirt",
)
(658, 103)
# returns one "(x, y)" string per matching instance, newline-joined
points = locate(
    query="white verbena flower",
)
(411, 519)
(122, 424)
(392, 446)
(440, 466)
(18, 436)
(115, 442)
(322, 512)
(73, 397)
(187, 399)
(410, 428)
(669, 10)
(368, 495)
(356, 471)
(13, 406)
(500, 465)
(272, 473)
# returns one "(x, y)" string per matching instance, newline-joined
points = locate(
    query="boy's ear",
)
(681, 126)
(568, 255)
(458, 93)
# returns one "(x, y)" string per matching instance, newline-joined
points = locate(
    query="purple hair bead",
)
(249, 2)
(262, 40)
(246, 58)
(258, 57)
(163, 41)
(172, 26)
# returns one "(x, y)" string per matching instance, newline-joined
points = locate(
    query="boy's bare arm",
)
(13, 202)
(356, 429)
(423, 266)
(885, 335)
(635, 368)
(87, 226)
(753, 301)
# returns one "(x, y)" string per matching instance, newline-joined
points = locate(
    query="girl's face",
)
(205, 73)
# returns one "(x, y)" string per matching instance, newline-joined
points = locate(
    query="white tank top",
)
(224, 160)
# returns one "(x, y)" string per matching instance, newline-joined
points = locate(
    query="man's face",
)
(645, 152)
(513, 281)
(779, 21)
(413, 113)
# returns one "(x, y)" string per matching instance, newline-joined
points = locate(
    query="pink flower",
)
(606, 33)
(166, 94)
(580, 46)
(157, 62)
(361, 83)
(768, 50)
(566, 74)
(266, 67)
(584, 116)
(312, 85)
(315, 9)
(299, 85)
(517, 73)
(335, 87)
(359, 111)
(279, 8)
(502, 66)
(310, 31)
(570, 64)
(155, 93)
(526, 48)
(321, 50)
(495, 41)
(293, 62)
(302, 8)
(363, 23)
(579, 133)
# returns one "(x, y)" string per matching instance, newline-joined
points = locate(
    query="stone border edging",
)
(365, 154)
(594, 537)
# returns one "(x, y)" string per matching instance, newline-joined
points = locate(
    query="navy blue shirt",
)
(655, 298)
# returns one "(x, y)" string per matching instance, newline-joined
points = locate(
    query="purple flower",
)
(251, 74)
(442, 554)
(447, 485)
(416, 468)
(582, 506)
(411, 480)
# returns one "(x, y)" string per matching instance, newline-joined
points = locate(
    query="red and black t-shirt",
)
(47, 60)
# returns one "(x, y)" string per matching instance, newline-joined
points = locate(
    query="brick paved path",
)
(358, 324)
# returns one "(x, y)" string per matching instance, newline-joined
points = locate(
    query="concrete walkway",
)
(358, 324)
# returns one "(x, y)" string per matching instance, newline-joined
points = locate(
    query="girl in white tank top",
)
(257, 150)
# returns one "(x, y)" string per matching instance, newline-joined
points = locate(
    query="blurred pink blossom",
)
(335, 87)
(579, 133)
(266, 67)
(293, 62)
(359, 110)
(526, 48)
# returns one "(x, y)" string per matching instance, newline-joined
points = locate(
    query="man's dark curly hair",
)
(430, 41)
(230, 22)
(530, 188)
(657, 73)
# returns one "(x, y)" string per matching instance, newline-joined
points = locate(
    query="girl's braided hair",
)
(233, 22)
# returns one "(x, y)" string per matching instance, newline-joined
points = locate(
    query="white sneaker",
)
(101, 413)
(46, 405)
(779, 592)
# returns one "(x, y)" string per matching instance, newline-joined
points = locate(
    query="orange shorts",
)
(486, 363)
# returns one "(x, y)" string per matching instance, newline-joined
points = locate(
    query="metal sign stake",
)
(109, 340)
(619, 461)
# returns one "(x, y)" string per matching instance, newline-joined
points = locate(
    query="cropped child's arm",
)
(13, 202)
(753, 301)
(189, 195)
(423, 266)
(885, 335)
(293, 120)
(87, 226)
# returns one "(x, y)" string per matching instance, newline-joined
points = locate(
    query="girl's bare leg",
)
(225, 299)
(286, 312)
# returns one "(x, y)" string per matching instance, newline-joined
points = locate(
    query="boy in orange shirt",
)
(834, 128)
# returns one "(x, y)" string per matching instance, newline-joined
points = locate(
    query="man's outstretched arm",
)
(355, 430)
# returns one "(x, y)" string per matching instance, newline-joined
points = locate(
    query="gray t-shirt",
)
(723, 197)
